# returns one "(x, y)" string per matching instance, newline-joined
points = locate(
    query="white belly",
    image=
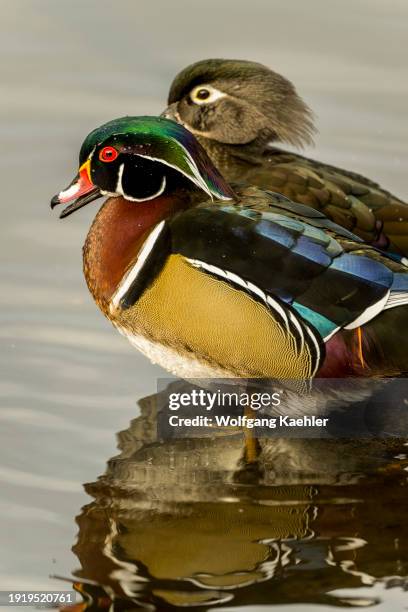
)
(184, 365)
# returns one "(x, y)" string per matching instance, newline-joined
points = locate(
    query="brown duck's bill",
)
(171, 112)
(79, 193)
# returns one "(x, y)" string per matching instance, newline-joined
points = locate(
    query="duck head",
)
(140, 158)
(239, 102)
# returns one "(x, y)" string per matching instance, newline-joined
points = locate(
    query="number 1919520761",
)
(27, 598)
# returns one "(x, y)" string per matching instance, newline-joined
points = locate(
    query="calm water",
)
(170, 522)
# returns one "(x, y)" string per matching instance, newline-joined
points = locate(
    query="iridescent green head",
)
(140, 158)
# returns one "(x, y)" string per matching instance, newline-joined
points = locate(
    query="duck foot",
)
(250, 471)
(249, 474)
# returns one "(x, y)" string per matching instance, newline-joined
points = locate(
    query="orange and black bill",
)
(79, 193)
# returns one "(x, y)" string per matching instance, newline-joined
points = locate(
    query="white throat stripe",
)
(132, 274)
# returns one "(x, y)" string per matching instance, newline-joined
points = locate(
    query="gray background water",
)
(68, 381)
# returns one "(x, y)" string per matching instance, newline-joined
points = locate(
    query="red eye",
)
(108, 154)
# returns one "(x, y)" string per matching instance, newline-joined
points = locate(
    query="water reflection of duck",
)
(240, 111)
(169, 526)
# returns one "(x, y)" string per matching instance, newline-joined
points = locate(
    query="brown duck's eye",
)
(205, 95)
(202, 94)
(108, 154)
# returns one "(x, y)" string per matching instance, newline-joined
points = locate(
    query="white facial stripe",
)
(129, 278)
(151, 197)
(199, 181)
(214, 94)
(119, 188)
(110, 194)
(165, 163)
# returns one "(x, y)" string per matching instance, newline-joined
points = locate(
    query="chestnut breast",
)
(115, 238)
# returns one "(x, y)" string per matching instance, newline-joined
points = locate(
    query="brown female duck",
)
(242, 111)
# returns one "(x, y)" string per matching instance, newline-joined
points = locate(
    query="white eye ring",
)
(213, 94)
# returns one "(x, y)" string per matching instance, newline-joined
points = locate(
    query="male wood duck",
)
(238, 110)
(212, 280)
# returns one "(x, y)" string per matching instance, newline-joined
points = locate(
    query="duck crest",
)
(167, 142)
